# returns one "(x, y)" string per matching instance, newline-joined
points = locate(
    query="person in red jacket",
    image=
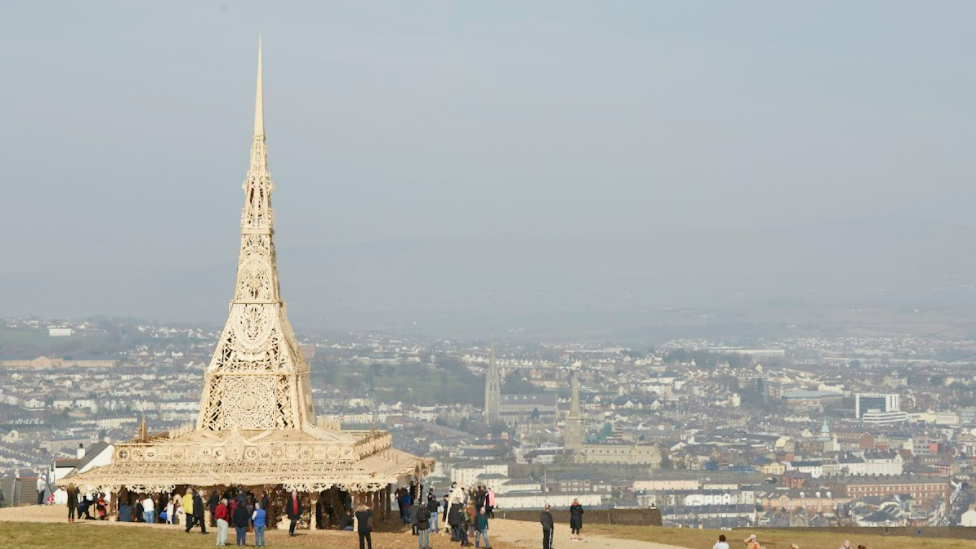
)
(220, 515)
(294, 511)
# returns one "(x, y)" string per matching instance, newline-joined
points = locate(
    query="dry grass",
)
(114, 535)
(772, 539)
(17, 530)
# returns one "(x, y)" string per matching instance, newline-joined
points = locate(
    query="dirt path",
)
(529, 535)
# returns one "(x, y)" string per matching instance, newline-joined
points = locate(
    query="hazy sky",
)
(126, 125)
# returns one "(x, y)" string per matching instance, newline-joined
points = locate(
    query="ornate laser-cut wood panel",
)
(257, 378)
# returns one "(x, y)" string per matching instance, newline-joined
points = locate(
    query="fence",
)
(627, 517)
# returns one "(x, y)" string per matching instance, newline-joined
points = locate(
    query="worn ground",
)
(37, 527)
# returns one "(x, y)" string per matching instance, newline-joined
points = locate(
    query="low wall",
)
(954, 532)
(628, 517)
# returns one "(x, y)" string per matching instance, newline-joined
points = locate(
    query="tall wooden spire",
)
(257, 378)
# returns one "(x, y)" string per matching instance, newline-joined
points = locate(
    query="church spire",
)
(258, 217)
(574, 405)
(259, 99)
(493, 390)
(573, 436)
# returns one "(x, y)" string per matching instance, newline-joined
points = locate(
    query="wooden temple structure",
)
(257, 430)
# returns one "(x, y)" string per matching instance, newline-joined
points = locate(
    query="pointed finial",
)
(259, 100)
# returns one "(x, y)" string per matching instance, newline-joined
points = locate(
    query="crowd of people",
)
(461, 513)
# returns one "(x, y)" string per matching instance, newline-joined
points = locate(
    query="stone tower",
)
(493, 391)
(257, 378)
(573, 437)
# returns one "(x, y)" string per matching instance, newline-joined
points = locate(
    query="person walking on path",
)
(241, 520)
(481, 527)
(575, 520)
(721, 543)
(294, 512)
(363, 516)
(423, 526)
(547, 527)
(260, 520)
(220, 517)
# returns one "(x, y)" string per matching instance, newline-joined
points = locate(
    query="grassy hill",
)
(774, 539)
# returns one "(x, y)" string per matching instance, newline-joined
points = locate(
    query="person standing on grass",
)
(241, 520)
(198, 512)
(454, 520)
(751, 542)
(465, 524)
(490, 503)
(149, 510)
(72, 503)
(413, 512)
(547, 527)
(187, 500)
(575, 520)
(846, 544)
(259, 520)
(220, 517)
(212, 503)
(294, 512)
(422, 515)
(721, 543)
(363, 516)
(481, 527)
(432, 508)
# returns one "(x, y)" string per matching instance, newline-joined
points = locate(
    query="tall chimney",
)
(81, 451)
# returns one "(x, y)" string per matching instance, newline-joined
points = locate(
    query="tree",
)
(535, 414)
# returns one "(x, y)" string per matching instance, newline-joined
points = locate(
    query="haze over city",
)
(548, 156)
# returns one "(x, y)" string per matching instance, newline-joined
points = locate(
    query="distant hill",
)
(593, 285)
